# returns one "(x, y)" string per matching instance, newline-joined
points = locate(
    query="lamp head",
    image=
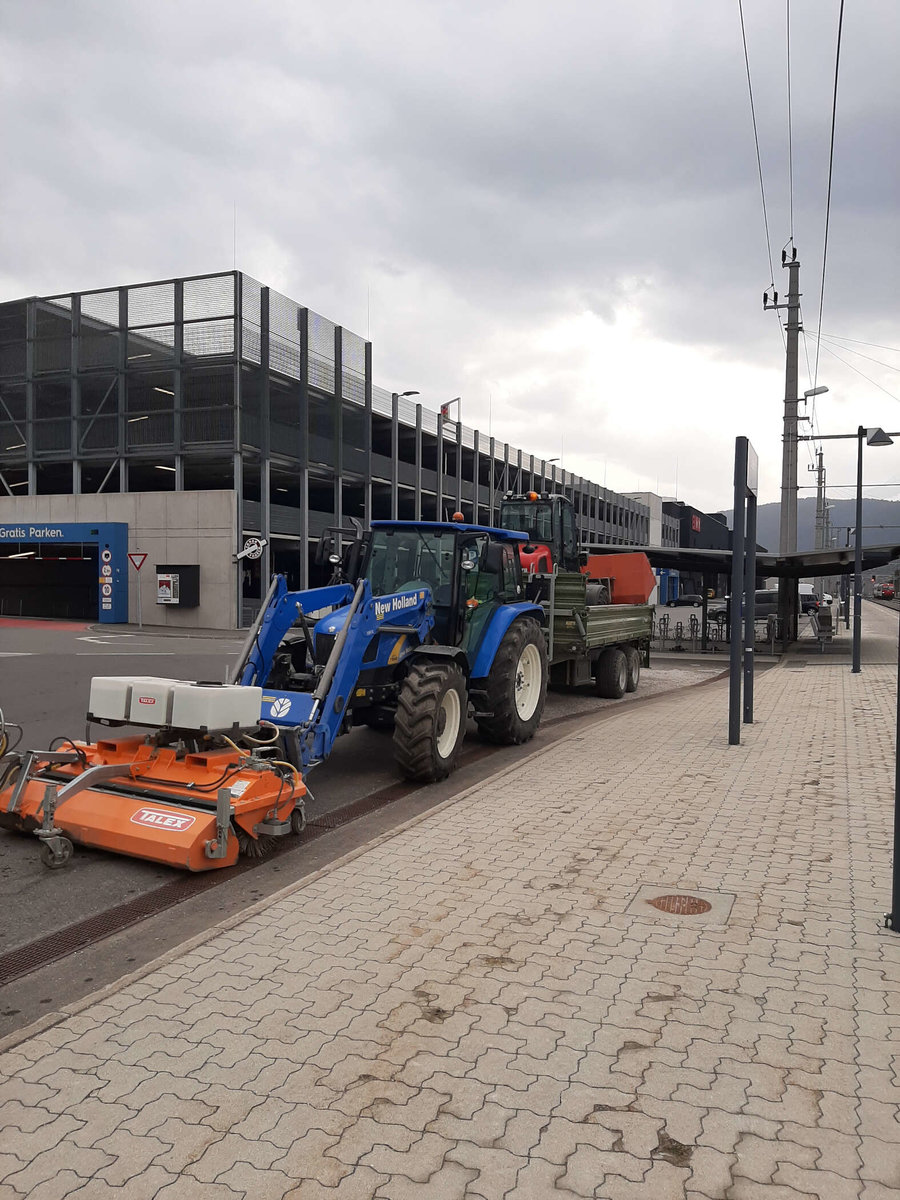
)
(877, 437)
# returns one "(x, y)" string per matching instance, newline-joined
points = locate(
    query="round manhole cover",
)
(682, 906)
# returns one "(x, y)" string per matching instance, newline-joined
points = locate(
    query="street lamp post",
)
(445, 416)
(395, 450)
(873, 437)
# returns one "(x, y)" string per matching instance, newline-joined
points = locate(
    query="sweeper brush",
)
(205, 785)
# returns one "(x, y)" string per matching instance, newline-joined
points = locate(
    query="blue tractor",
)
(434, 627)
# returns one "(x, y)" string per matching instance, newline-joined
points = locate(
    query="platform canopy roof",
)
(803, 563)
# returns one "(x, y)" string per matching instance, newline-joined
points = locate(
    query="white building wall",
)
(169, 527)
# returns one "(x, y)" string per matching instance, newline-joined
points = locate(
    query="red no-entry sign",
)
(137, 560)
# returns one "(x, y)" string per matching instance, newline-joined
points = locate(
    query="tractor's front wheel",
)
(430, 721)
(516, 687)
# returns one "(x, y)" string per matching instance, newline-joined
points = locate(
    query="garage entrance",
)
(69, 571)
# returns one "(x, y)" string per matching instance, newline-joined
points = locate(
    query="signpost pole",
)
(137, 560)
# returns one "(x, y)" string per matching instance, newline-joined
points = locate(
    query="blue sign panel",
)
(111, 540)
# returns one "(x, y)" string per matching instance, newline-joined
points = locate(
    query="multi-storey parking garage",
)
(203, 412)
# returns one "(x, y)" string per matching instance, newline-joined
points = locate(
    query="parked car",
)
(809, 599)
(686, 601)
(766, 603)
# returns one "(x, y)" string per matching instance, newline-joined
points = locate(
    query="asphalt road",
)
(45, 673)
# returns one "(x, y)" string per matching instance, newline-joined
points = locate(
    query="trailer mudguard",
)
(500, 622)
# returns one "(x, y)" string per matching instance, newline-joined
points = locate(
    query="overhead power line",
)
(877, 346)
(867, 357)
(790, 120)
(837, 63)
(868, 379)
(762, 189)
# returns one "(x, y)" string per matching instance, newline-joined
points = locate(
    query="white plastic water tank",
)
(110, 697)
(215, 706)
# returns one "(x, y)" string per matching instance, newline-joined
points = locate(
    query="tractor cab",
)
(470, 571)
(548, 520)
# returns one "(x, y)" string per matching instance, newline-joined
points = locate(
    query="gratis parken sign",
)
(29, 533)
(111, 540)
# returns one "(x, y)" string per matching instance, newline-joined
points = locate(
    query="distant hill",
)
(881, 522)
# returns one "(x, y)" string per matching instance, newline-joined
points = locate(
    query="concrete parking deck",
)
(488, 1003)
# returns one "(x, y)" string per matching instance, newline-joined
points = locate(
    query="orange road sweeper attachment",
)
(201, 788)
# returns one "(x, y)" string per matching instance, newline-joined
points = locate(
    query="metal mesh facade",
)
(226, 383)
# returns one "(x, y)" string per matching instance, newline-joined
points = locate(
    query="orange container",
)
(632, 575)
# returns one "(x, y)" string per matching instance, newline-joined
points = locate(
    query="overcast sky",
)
(552, 210)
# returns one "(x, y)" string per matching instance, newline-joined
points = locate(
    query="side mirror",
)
(352, 559)
(324, 550)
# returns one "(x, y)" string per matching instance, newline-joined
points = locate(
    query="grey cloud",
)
(481, 170)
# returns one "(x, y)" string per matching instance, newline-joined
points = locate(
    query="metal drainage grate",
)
(682, 906)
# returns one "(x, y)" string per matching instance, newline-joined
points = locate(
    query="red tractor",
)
(550, 522)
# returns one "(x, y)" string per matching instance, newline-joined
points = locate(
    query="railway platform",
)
(638, 965)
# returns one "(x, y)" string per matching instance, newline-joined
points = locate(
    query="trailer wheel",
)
(516, 687)
(611, 674)
(633, 664)
(430, 722)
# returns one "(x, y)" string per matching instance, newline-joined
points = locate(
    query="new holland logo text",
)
(162, 820)
(395, 604)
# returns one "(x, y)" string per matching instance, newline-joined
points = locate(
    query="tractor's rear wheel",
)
(516, 687)
(633, 668)
(430, 722)
(611, 674)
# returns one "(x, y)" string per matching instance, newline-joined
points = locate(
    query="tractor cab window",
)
(403, 560)
(479, 583)
(491, 579)
(532, 517)
(511, 587)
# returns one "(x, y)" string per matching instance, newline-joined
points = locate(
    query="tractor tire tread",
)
(414, 733)
(496, 717)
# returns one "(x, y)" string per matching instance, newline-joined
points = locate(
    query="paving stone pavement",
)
(469, 1008)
